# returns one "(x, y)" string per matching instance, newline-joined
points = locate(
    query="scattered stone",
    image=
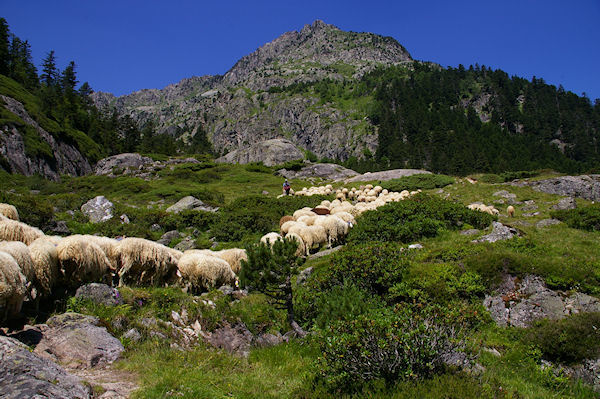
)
(226, 289)
(547, 222)
(265, 192)
(566, 203)
(304, 275)
(155, 227)
(492, 351)
(24, 374)
(529, 206)
(185, 244)
(532, 214)
(59, 227)
(499, 232)
(100, 294)
(235, 339)
(469, 232)
(509, 197)
(133, 335)
(326, 252)
(78, 341)
(98, 209)
(166, 238)
(124, 219)
(267, 340)
(415, 246)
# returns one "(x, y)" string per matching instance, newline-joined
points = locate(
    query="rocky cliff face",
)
(237, 110)
(65, 159)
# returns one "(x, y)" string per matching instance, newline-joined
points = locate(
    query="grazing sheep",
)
(9, 211)
(234, 257)
(285, 228)
(303, 212)
(82, 261)
(109, 246)
(20, 253)
(270, 238)
(511, 211)
(53, 239)
(45, 261)
(12, 230)
(202, 271)
(321, 210)
(346, 217)
(326, 204)
(301, 247)
(146, 262)
(311, 235)
(284, 219)
(13, 286)
(335, 228)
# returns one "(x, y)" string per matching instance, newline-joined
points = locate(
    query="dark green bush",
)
(585, 218)
(419, 216)
(258, 167)
(294, 165)
(200, 220)
(569, 340)
(373, 267)
(387, 344)
(421, 181)
(521, 174)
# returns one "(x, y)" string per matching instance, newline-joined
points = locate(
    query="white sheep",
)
(20, 253)
(285, 228)
(335, 228)
(45, 261)
(270, 238)
(9, 211)
(146, 262)
(12, 230)
(234, 257)
(109, 246)
(82, 261)
(13, 286)
(203, 271)
(311, 236)
(511, 211)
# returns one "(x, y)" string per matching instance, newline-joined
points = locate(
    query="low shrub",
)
(34, 210)
(258, 167)
(294, 165)
(388, 344)
(585, 218)
(569, 340)
(200, 220)
(419, 216)
(421, 181)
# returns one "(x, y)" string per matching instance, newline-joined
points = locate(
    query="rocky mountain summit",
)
(238, 109)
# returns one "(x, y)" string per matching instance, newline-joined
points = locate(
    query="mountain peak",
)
(317, 48)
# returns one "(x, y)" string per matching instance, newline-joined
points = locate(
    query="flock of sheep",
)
(329, 222)
(32, 264)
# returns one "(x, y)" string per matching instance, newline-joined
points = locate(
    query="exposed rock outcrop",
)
(121, 162)
(78, 341)
(499, 232)
(270, 152)
(521, 302)
(98, 209)
(59, 158)
(190, 203)
(584, 186)
(24, 374)
(325, 171)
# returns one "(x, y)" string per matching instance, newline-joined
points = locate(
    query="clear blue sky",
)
(127, 45)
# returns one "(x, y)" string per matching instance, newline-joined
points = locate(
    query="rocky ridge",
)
(67, 159)
(237, 109)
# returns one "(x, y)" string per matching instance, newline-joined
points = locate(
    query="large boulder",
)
(584, 186)
(78, 341)
(566, 204)
(499, 232)
(326, 171)
(386, 175)
(24, 374)
(100, 294)
(121, 162)
(98, 209)
(270, 152)
(190, 203)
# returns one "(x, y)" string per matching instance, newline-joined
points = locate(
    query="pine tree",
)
(270, 271)
(4, 47)
(49, 76)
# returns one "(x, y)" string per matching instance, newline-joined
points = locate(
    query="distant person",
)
(286, 187)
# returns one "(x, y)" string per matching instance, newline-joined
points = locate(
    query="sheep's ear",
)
(179, 274)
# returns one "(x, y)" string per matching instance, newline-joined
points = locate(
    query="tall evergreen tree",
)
(49, 76)
(4, 47)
